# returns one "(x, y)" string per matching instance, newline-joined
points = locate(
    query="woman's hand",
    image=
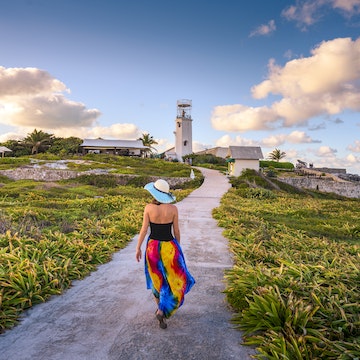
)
(138, 255)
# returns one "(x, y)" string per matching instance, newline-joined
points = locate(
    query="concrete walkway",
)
(110, 315)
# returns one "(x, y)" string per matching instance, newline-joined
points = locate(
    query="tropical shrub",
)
(252, 178)
(104, 180)
(277, 164)
(294, 286)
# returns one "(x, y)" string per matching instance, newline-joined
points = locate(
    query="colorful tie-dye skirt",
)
(166, 274)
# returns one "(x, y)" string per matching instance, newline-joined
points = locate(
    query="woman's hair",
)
(154, 201)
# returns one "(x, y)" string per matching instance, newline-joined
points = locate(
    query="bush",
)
(252, 178)
(138, 181)
(256, 193)
(207, 159)
(276, 164)
(238, 182)
(11, 162)
(105, 181)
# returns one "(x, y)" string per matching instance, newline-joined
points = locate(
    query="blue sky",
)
(276, 74)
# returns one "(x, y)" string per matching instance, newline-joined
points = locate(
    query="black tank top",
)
(161, 232)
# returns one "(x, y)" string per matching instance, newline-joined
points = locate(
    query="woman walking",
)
(165, 268)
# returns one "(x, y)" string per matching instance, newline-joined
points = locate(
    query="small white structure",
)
(240, 158)
(183, 129)
(3, 150)
(117, 147)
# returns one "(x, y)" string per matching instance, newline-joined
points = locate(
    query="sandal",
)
(161, 319)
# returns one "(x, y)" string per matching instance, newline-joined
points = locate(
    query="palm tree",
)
(148, 141)
(38, 139)
(277, 155)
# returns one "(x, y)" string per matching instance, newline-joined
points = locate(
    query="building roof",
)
(170, 152)
(119, 144)
(4, 149)
(245, 152)
(216, 151)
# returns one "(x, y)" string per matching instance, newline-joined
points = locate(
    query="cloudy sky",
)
(276, 74)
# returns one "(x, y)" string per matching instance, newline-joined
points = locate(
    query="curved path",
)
(110, 315)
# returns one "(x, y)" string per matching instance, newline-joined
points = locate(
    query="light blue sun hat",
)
(160, 190)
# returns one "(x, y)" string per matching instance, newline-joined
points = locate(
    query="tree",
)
(148, 141)
(277, 155)
(38, 140)
(65, 146)
(17, 147)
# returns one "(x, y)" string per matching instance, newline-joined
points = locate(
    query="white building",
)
(117, 147)
(240, 158)
(183, 129)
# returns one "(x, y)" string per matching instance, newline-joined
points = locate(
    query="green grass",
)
(295, 282)
(11, 162)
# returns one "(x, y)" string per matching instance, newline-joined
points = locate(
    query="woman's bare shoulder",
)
(173, 208)
(148, 207)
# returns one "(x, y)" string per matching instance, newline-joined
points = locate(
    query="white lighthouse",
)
(183, 129)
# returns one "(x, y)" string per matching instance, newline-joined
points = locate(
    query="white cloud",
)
(350, 7)
(115, 131)
(332, 69)
(348, 162)
(198, 146)
(11, 136)
(295, 137)
(352, 159)
(31, 97)
(325, 151)
(264, 29)
(306, 13)
(227, 140)
(325, 83)
(355, 147)
(27, 81)
(242, 118)
(291, 155)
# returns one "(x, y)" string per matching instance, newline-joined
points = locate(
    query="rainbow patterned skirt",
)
(166, 274)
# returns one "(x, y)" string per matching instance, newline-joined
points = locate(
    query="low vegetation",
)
(295, 282)
(272, 164)
(294, 286)
(52, 233)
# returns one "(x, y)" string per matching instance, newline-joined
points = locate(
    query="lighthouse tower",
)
(183, 129)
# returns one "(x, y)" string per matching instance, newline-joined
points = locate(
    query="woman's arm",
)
(142, 234)
(176, 225)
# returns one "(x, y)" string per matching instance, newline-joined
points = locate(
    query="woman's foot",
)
(160, 316)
